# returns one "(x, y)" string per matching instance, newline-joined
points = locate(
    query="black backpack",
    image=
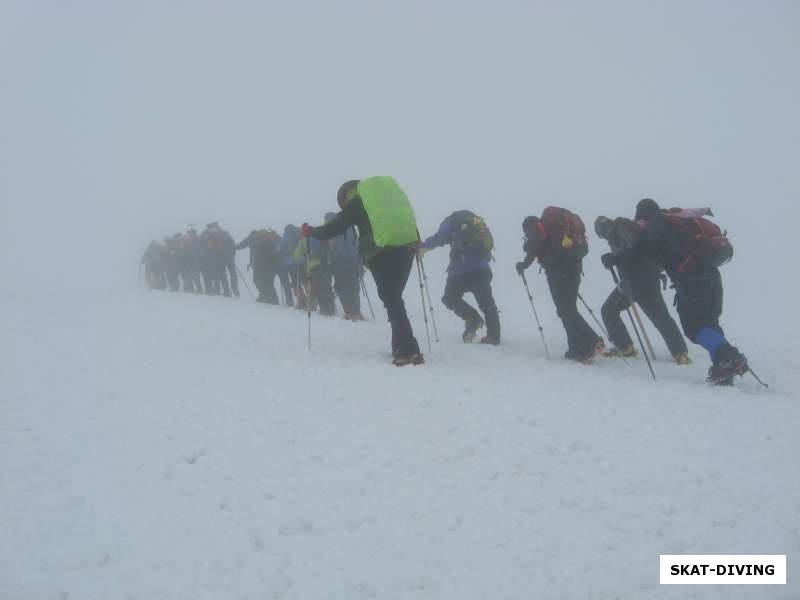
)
(622, 234)
(471, 235)
(704, 242)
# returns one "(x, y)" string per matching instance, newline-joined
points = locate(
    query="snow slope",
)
(165, 446)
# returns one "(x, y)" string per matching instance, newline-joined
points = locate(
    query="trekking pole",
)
(424, 311)
(758, 379)
(244, 281)
(366, 295)
(297, 284)
(644, 331)
(428, 293)
(596, 320)
(536, 315)
(633, 323)
(308, 288)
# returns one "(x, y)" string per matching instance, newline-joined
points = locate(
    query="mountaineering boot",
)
(587, 358)
(629, 352)
(599, 346)
(728, 363)
(488, 339)
(682, 358)
(582, 356)
(471, 328)
(586, 355)
(414, 359)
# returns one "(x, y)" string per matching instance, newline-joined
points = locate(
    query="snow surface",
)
(171, 447)
(159, 445)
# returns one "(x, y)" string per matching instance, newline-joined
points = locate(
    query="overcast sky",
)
(125, 121)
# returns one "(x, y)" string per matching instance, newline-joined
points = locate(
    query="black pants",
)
(218, 276)
(230, 266)
(479, 283)
(564, 279)
(193, 275)
(191, 278)
(647, 293)
(211, 281)
(155, 277)
(286, 284)
(391, 269)
(173, 278)
(698, 299)
(188, 282)
(347, 278)
(297, 277)
(264, 280)
(322, 291)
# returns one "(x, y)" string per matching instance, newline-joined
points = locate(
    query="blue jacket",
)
(343, 246)
(460, 262)
(287, 245)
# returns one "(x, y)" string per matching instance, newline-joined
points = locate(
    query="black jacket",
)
(228, 244)
(153, 256)
(263, 249)
(352, 215)
(658, 241)
(534, 249)
(623, 234)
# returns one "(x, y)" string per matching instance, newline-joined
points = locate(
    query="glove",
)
(608, 259)
(521, 266)
(305, 229)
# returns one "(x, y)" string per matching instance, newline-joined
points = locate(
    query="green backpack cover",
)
(390, 214)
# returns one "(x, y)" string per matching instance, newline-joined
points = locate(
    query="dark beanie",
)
(529, 222)
(646, 208)
(341, 196)
(602, 226)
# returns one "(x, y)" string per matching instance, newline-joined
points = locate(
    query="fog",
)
(179, 446)
(127, 121)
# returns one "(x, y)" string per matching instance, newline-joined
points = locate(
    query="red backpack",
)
(566, 232)
(704, 241)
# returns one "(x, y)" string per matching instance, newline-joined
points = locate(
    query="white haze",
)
(123, 122)
(168, 445)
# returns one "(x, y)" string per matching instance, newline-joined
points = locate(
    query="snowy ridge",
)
(236, 464)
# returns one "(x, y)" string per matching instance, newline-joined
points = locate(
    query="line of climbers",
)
(334, 266)
(376, 226)
(333, 269)
(190, 256)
